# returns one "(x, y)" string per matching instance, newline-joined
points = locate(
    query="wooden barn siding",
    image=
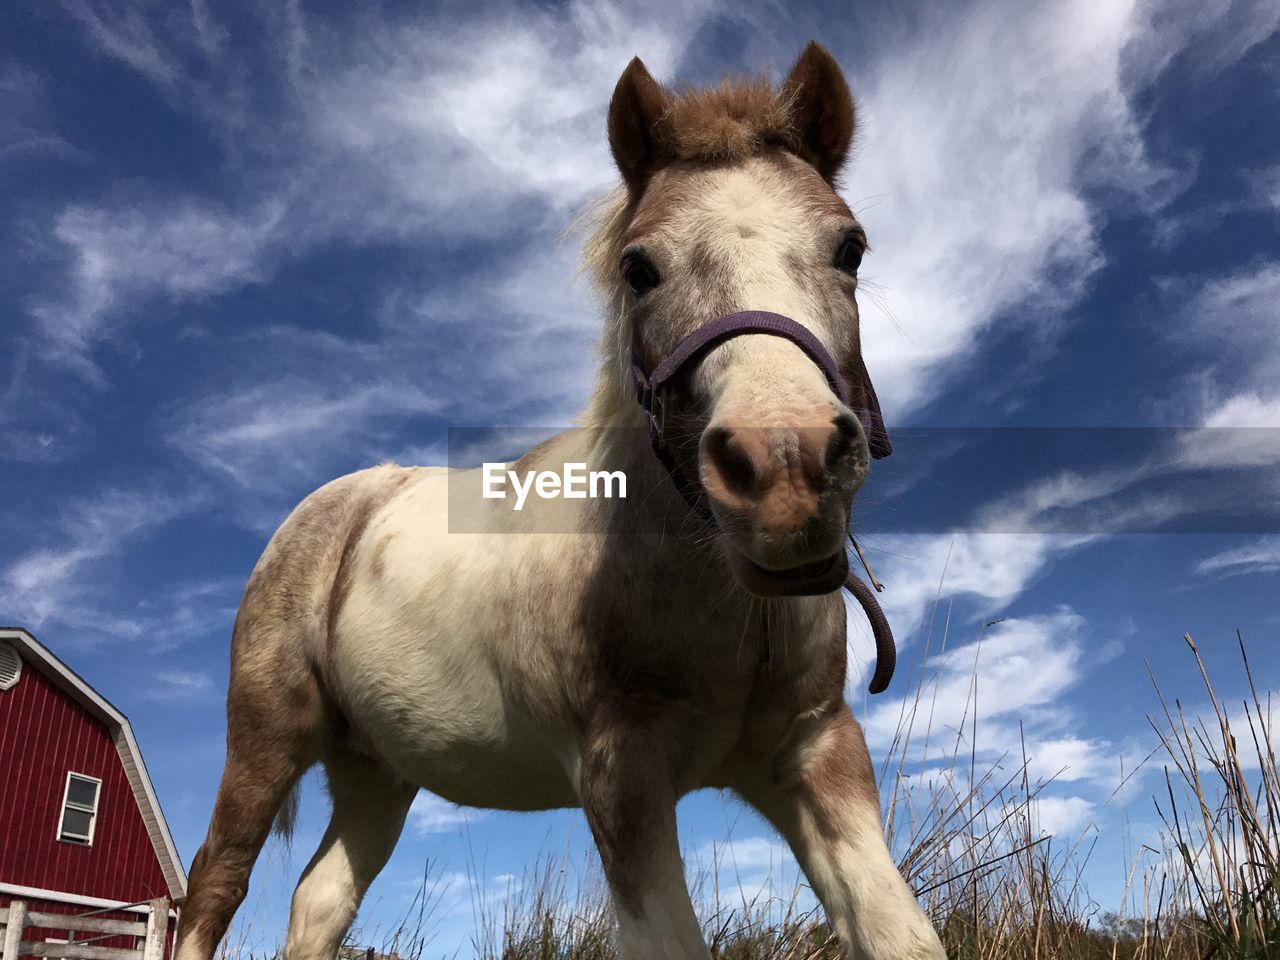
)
(32, 934)
(43, 735)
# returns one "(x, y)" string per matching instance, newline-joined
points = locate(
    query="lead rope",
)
(886, 651)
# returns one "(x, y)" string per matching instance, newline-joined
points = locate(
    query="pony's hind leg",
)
(281, 716)
(272, 738)
(369, 808)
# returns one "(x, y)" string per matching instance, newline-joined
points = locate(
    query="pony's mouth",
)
(805, 580)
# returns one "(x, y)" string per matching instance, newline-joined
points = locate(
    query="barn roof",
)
(36, 655)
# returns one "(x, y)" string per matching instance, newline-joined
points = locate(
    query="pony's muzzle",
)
(777, 475)
(782, 493)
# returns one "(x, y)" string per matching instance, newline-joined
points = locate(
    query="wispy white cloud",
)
(1131, 480)
(65, 583)
(1223, 32)
(126, 33)
(1259, 193)
(397, 137)
(1075, 491)
(1239, 305)
(91, 530)
(119, 256)
(27, 128)
(1151, 488)
(924, 570)
(429, 814)
(1067, 759)
(1260, 556)
(1246, 410)
(1230, 318)
(268, 435)
(1265, 184)
(1018, 665)
(450, 136)
(37, 425)
(400, 137)
(976, 218)
(744, 853)
(925, 576)
(178, 684)
(1061, 816)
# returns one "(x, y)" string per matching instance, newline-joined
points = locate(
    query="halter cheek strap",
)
(651, 394)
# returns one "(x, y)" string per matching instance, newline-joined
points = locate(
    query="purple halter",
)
(652, 397)
(649, 388)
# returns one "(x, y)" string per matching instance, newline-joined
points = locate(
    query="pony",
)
(404, 639)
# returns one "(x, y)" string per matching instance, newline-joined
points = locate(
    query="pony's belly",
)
(436, 713)
(429, 667)
(501, 776)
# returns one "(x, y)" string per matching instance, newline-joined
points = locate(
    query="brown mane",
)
(739, 119)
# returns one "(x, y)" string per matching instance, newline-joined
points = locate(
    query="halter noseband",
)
(651, 394)
(650, 388)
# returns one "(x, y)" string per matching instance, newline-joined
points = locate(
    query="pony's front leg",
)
(821, 796)
(628, 796)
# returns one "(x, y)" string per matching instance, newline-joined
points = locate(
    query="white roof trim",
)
(39, 657)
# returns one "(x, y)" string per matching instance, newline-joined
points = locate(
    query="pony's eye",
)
(639, 273)
(849, 254)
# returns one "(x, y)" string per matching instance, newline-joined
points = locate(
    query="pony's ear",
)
(822, 114)
(637, 106)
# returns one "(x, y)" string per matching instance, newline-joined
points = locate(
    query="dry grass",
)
(1223, 819)
(967, 841)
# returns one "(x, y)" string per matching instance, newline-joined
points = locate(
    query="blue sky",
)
(250, 249)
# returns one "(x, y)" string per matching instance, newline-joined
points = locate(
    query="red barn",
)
(81, 830)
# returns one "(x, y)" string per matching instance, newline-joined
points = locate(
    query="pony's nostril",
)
(847, 431)
(730, 459)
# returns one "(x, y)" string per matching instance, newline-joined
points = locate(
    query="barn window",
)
(79, 809)
(10, 666)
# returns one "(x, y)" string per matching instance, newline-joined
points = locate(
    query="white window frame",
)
(67, 804)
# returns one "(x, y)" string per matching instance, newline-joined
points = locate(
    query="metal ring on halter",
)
(658, 416)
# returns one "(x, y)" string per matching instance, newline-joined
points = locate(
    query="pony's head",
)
(730, 205)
